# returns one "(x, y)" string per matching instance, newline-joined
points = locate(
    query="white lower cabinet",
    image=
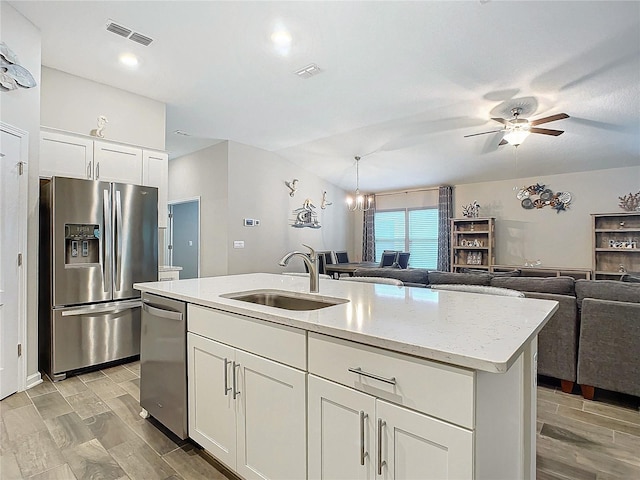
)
(247, 411)
(353, 435)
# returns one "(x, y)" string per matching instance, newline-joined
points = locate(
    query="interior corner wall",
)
(73, 104)
(204, 174)
(560, 239)
(21, 108)
(257, 191)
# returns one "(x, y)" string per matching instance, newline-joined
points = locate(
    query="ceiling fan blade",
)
(483, 133)
(501, 120)
(503, 142)
(546, 131)
(552, 118)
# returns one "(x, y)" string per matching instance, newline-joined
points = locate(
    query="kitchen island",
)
(387, 381)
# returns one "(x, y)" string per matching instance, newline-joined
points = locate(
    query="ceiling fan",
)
(517, 129)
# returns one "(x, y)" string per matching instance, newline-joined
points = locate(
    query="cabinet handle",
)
(363, 454)
(97, 170)
(226, 377)
(236, 392)
(89, 170)
(359, 371)
(381, 463)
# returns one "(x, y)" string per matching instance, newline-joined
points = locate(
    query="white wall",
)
(204, 174)
(73, 104)
(237, 181)
(257, 190)
(21, 108)
(557, 239)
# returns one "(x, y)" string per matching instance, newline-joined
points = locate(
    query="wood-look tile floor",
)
(88, 427)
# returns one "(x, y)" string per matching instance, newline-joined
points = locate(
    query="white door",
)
(12, 226)
(418, 447)
(212, 409)
(117, 163)
(272, 422)
(341, 432)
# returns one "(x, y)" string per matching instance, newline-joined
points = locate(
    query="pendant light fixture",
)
(359, 202)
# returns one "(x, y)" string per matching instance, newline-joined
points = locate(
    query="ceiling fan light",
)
(516, 137)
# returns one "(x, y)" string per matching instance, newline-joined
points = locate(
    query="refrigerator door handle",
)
(106, 244)
(161, 313)
(118, 240)
(108, 308)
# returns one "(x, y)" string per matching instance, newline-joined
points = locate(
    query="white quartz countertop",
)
(477, 331)
(169, 268)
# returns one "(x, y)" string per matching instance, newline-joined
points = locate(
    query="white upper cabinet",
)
(155, 173)
(117, 163)
(65, 155)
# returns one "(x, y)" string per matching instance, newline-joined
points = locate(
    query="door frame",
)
(22, 246)
(170, 203)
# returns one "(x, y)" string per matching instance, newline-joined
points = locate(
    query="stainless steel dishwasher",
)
(163, 365)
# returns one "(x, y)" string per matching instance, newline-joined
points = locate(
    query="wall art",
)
(293, 186)
(306, 216)
(559, 201)
(12, 74)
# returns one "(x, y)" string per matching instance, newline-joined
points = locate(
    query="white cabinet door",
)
(117, 163)
(415, 446)
(155, 173)
(65, 156)
(341, 432)
(271, 420)
(212, 409)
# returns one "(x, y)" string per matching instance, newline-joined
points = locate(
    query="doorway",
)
(184, 237)
(13, 226)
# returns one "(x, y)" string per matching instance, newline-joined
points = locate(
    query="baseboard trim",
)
(33, 380)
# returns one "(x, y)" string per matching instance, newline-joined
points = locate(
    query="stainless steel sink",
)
(285, 300)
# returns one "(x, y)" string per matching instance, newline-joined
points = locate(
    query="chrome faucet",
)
(311, 259)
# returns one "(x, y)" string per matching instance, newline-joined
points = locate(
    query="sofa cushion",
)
(558, 285)
(408, 276)
(613, 290)
(459, 278)
(503, 292)
(635, 278)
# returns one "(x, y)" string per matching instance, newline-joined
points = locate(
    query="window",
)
(409, 230)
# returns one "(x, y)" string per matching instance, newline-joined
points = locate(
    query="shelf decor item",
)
(472, 210)
(559, 201)
(630, 203)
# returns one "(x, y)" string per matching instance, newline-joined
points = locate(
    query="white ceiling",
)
(401, 81)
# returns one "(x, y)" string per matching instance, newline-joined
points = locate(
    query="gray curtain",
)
(445, 212)
(368, 234)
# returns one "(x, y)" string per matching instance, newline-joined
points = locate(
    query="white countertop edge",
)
(274, 315)
(169, 268)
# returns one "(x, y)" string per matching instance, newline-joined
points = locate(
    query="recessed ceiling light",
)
(308, 71)
(129, 59)
(180, 132)
(281, 39)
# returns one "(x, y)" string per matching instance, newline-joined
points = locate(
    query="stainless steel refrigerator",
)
(96, 240)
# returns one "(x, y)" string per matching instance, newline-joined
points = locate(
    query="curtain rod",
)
(411, 190)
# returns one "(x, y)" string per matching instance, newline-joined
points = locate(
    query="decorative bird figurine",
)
(293, 186)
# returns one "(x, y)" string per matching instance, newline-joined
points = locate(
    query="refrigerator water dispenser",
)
(82, 244)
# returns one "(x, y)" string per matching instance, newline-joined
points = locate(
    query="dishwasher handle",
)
(161, 313)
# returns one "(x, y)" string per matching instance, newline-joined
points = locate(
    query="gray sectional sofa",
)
(594, 337)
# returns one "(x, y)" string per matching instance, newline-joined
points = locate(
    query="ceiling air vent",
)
(137, 37)
(125, 32)
(308, 71)
(118, 29)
